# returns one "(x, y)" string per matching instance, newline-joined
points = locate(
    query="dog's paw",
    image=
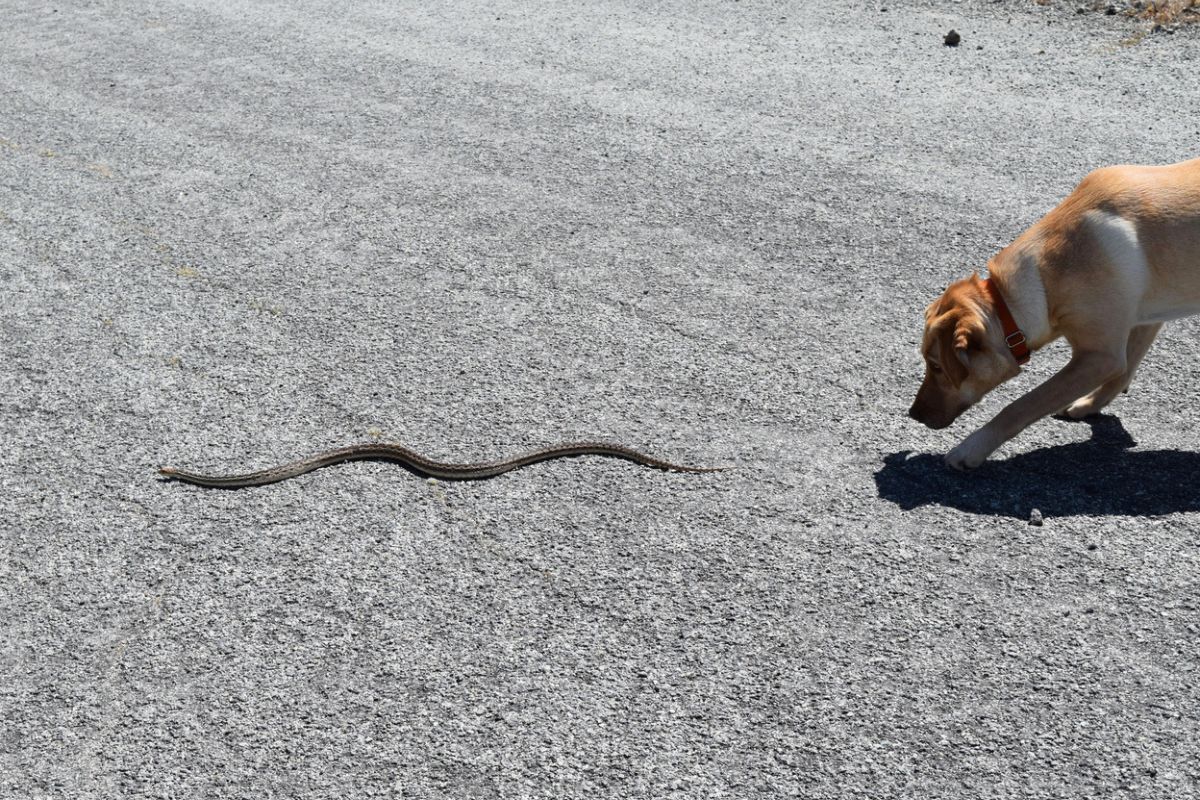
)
(1083, 407)
(972, 452)
(962, 462)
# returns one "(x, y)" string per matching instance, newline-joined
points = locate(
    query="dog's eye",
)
(935, 368)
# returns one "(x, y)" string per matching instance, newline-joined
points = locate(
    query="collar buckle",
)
(1014, 337)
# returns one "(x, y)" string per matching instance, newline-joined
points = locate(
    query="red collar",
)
(1013, 337)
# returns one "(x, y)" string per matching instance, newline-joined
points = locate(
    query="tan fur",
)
(1103, 270)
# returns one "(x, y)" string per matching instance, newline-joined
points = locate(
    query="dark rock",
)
(952, 38)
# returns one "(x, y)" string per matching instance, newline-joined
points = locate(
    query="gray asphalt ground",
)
(234, 233)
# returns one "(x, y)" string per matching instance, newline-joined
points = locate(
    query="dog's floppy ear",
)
(968, 340)
(958, 339)
(954, 368)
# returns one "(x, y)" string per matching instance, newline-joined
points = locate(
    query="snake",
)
(422, 465)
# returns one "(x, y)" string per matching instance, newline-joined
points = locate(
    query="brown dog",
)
(1105, 269)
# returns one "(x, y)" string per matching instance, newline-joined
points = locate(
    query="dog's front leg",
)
(1083, 373)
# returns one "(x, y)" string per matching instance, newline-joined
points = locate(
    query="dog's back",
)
(1138, 226)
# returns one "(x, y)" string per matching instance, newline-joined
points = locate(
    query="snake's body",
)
(426, 466)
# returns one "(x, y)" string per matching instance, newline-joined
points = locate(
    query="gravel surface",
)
(233, 233)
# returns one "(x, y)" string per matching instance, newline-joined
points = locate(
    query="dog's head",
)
(964, 351)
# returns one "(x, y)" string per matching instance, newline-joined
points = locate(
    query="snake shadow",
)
(1101, 476)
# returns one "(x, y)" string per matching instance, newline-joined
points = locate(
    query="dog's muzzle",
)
(931, 421)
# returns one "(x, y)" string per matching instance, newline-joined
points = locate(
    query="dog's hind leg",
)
(1140, 339)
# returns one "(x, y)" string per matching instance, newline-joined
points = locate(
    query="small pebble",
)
(952, 38)
(1035, 517)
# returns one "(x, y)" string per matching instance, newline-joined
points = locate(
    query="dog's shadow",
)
(1102, 476)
